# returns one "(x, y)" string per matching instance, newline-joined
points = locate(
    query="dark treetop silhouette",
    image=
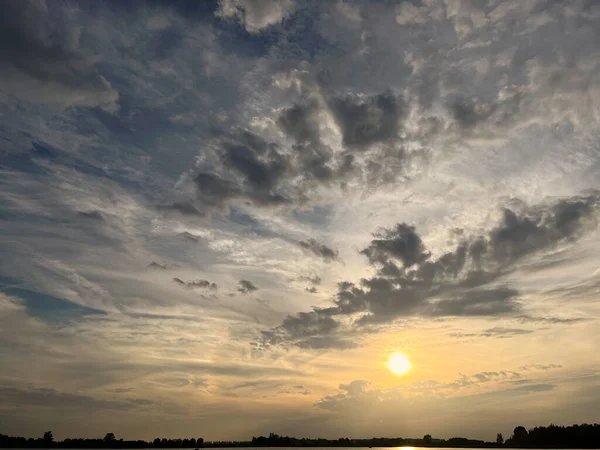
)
(552, 436)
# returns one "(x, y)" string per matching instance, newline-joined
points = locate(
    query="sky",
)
(221, 219)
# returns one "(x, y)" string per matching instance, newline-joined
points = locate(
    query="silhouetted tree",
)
(427, 439)
(519, 434)
(109, 437)
(48, 438)
(499, 439)
(199, 442)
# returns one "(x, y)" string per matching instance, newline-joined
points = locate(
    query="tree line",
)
(553, 436)
(109, 441)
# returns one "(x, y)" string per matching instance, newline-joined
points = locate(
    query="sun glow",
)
(399, 364)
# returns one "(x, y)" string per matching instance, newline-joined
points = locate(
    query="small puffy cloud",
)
(256, 15)
(94, 215)
(157, 266)
(312, 279)
(321, 250)
(408, 14)
(201, 284)
(245, 287)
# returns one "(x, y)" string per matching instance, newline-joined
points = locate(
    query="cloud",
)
(301, 121)
(206, 137)
(51, 398)
(214, 190)
(478, 302)
(43, 62)
(497, 332)
(256, 15)
(189, 237)
(401, 243)
(409, 14)
(203, 284)
(358, 396)
(310, 330)
(368, 120)
(541, 367)
(94, 215)
(321, 250)
(157, 266)
(410, 282)
(261, 169)
(266, 168)
(525, 318)
(314, 279)
(252, 169)
(245, 287)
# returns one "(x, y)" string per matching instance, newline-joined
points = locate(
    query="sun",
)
(399, 364)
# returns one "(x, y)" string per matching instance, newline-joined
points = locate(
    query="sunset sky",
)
(221, 219)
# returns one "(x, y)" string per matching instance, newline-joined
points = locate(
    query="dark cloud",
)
(213, 190)
(189, 236)
(203, 284)
(458, 283)
(157, 266)
(42, 60)
(320, 250)
(468, 113)
(245, 287)
(262, 171)
(315, 280)
(253, 170)
(311, 290)
(401, 243)
(521, 235)
(478, 302)
(252, 167)
(94, 215)
(300, 121)
(367, 120)
(306, 330)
